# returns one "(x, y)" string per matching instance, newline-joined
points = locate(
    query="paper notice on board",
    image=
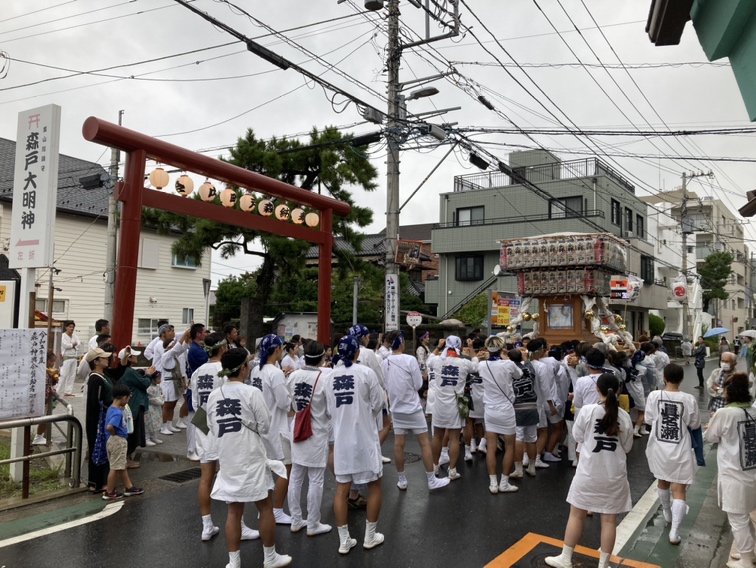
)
(23, 354)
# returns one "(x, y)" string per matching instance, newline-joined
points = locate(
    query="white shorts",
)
(286, 445)
(170, 394)
(542, 420)
(359, 478)
(558, 417)
(635, 390)
(414, 423)
(527, 434)
(206, 446)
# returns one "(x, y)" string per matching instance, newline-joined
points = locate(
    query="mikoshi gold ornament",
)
(526, 316)
(535, 317)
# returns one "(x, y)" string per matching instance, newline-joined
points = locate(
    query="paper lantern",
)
(312, 219)
(184, 186)
(536, 317)
(283, 212)
(228, 197)
(526, 316)
(247, 203)
(207, 192)
(266, 208)
(298, 215)
(589, 314)
(159, 178)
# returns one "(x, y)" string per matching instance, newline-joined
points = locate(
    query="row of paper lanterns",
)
(228, 198)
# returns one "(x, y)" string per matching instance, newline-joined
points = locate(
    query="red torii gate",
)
(132, 193)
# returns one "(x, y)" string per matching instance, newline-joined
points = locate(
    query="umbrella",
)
(716, 331)
(749, 333)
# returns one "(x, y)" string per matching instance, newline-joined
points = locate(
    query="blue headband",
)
(268, 344)
(348, 346)
(359, 330)
(398, 341)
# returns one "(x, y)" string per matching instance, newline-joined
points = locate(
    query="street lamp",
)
(424, 92)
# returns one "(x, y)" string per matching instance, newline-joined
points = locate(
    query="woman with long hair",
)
(99, 398)
(732, 428)
(605, 434)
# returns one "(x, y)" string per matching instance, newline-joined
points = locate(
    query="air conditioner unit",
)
(629, 234)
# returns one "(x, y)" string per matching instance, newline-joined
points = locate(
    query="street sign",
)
(503, 308)
(619, 288)
(414, 319)
(392, 302)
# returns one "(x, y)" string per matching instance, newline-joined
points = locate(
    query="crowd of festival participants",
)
(261, 422)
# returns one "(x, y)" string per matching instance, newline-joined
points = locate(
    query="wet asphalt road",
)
(462, 525)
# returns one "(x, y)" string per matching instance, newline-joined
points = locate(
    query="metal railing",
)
(542, 173)
(562, 215)
(474, 294)
(74, 433)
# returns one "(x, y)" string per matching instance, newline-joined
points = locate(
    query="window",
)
(628, 219)
(187, 316)
(565, 207)
(647, 269)
(469, 268)
(180, 261)
(147, 326)
(149, 256)
(470, 216)
(616, 213)
(640, 227)
(59, 306)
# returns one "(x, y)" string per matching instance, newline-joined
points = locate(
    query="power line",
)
(38, 11)
(613, 66)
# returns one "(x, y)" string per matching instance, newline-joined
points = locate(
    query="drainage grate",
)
(411, 458)
(183, 476)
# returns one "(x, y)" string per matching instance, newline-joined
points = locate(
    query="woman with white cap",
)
(138, 383)
(450, 374)
(403, 381)
(497, 374)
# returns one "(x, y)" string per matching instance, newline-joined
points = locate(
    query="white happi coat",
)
(735, 431)
(600, 483)
(302, 386)
(289, 361)
(669, 451)
(244, 474)
(203, 382)
(403, 379)
(450, 374)
(585, 392)
(498, 394)
(173, 361)
(355, 400)
(272, 383)
(430, 396)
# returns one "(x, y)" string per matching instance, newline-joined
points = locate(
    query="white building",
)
(167, 287)
(714, 228)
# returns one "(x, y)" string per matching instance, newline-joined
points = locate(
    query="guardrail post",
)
(25, 467)
(67, 471)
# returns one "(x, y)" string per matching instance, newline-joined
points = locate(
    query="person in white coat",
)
(173, 367)
(291, 360)
(355, 400)
(497, 374)
(605, 433)
(670, 455)
(403, 381)
(270, 379)
(309, 456)
(733, 427)
(238, 418)
(450, 374)
(69, 345)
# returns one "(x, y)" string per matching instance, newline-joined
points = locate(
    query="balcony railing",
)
(545, 172)
(561, 216)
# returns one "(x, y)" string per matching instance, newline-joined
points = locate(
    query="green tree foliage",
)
(715, 271)
(475, 312)
(656, 325)
(228, 297)
(332, 169)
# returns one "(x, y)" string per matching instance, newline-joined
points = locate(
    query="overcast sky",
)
(206, 99)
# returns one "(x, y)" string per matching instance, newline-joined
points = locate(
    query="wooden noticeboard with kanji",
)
(23, 356)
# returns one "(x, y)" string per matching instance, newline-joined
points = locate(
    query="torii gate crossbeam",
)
(132, 193)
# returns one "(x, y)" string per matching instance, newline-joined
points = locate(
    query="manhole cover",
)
(183, 476)
(411, 458)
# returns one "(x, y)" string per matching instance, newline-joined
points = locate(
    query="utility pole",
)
(686, 228)
(110, 257)
(392, 175)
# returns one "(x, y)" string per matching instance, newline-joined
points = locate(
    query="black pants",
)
(699, 370)
(138, 436)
